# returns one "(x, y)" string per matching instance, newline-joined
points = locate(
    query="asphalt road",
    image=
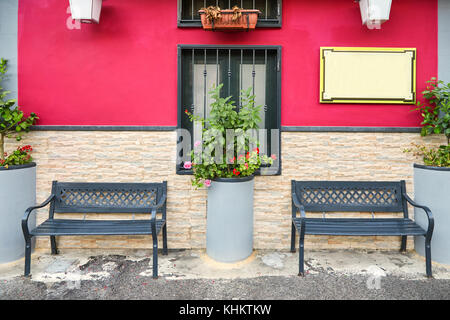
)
(125, 282)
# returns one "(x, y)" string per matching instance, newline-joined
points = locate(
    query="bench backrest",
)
(364, 196)
(74, 197)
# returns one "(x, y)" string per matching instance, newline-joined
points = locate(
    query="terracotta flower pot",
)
(247, 20)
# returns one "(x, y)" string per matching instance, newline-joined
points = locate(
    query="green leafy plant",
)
(436, 120)
(18, 157)
(220, 157)
(12, 121)
(436, 113)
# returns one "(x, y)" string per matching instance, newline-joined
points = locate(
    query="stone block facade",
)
(149, 156)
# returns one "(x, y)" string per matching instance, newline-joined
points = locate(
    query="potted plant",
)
(432, 179)
(235, 19)
(225, 161)
(17, 175)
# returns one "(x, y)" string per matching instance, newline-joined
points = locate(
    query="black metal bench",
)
(346, 196)
(101, 198)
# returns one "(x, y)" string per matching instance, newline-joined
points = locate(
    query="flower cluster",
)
(20, 156)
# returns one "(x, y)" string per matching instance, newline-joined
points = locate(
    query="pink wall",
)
(124, 70)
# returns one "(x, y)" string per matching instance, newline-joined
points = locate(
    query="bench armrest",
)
(160, 203)
(154, 209)
(26, 216)
(427, 211)
(299, 207)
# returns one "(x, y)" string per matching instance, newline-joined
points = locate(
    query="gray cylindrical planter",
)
(17, 193)
(229, 232)
(432, 189)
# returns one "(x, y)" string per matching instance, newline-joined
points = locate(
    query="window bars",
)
(237, 68)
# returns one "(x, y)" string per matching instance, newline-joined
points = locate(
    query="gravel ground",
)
(127, 280)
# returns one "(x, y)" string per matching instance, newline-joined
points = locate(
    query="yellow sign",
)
(367, 75)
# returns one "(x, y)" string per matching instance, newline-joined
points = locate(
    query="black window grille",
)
(270, 16)
(237, 68)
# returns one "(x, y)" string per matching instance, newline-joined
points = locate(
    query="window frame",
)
(197, 23)
(180, 112)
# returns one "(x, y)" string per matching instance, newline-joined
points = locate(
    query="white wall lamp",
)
(87, 11)
(374, 12)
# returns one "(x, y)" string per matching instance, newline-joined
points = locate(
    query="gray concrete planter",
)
(17, 193)
(432, 189)
(229, 231)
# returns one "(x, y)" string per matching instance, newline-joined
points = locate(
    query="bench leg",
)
(155, 256)
(53, 245)
(164, 232)
(301, 253)
(428, 257)
(403, 246)
(293, 238)
(27, 256)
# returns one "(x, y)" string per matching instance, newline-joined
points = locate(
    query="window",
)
(237, 68)
(270, 16)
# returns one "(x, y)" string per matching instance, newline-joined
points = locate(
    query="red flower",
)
(26, 148)
(257, 150)
(247, 156)
(232, 159)
(236, 172)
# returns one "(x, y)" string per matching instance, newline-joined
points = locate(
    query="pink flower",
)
(187, 165)
(197, 143)
(207, 182)
(274, 157)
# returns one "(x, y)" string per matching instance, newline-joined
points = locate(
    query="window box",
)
(246, 20)
(271, 13)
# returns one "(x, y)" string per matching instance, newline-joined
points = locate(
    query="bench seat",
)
(360, 227)
(65, 227)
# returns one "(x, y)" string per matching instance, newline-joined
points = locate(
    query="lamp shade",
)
(86, 11)
(374, 11)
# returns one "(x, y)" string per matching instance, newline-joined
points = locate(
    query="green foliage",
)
(208, 163)
(12, 120)
(18, 157)
(436, 113)
(436, 157)
(436, 120)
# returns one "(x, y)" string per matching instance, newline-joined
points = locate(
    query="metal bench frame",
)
(352, 196)
(86, 198)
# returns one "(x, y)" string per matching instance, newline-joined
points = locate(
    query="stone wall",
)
(128, 156)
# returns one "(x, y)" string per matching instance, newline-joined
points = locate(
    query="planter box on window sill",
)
(270, 17)
(246, 21)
